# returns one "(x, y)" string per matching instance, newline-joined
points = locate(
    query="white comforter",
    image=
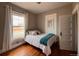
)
(35, 41)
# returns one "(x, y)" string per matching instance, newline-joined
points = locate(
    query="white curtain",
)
(7, 29)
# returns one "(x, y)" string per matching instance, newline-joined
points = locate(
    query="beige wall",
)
(2, 21)
(59, 11)
(32, 20)
(78, 30)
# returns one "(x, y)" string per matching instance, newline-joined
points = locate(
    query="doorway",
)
(65, 30)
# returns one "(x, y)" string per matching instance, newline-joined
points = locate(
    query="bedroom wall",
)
(78, 29)
(64, 10)
(2, 19)
(32, 21)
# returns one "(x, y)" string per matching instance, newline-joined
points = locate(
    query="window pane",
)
(18, 20)
(18, 26)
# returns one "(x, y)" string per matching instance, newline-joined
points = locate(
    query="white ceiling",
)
(39, 8)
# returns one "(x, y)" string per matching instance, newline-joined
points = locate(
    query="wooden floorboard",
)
(29, 50)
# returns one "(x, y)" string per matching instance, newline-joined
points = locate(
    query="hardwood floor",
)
(29, 50)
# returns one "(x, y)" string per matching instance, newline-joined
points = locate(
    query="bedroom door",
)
(65, 25)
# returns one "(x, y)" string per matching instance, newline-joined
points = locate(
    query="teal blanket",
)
(45, 39)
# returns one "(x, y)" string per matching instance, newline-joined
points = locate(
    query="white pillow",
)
(34, 32)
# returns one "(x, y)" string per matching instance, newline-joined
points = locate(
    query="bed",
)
(35, 41)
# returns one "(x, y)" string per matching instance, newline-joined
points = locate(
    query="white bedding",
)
(35, 41)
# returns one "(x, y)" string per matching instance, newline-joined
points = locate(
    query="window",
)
(18, 25)
(18, 21)
(51, 23)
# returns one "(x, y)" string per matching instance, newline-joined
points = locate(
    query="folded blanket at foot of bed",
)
(45, 39)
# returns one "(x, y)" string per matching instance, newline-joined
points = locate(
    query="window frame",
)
(18, 14)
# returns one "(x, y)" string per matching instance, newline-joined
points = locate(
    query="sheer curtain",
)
(7, 29)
